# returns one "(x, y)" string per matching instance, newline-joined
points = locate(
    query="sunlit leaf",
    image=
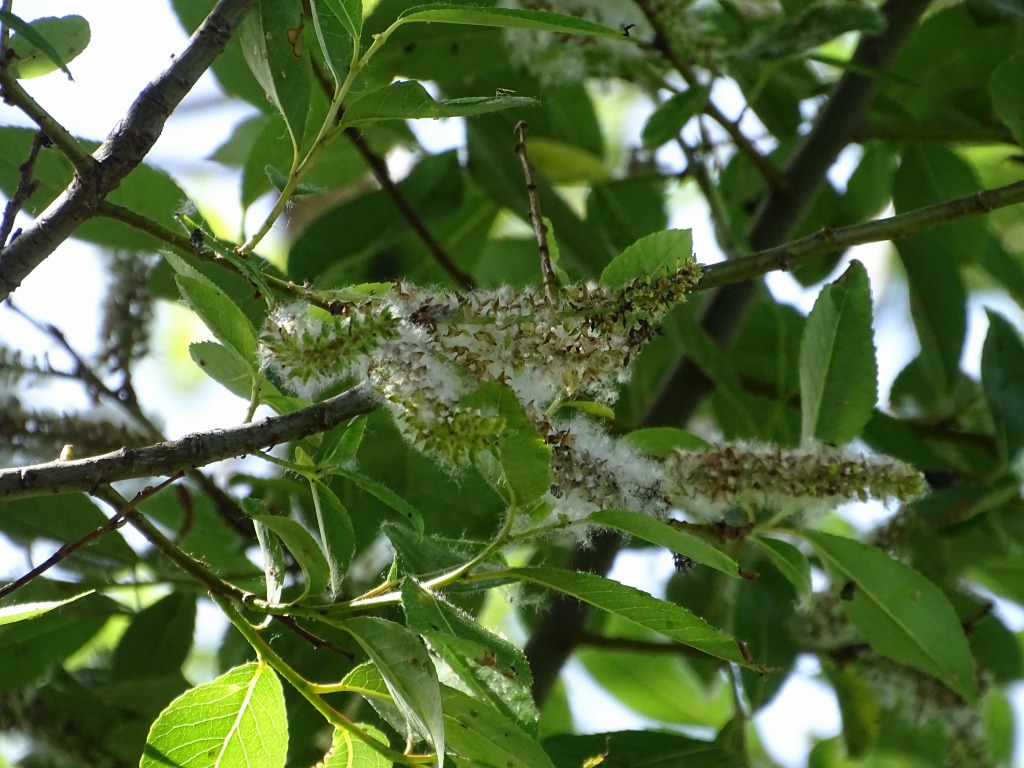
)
(650, 257)
(238, 720)
(11, 614)
(43, 45)
(639, 608)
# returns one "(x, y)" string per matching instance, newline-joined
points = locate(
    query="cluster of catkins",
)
(426, 352)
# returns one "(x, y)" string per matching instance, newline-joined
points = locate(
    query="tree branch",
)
(188, 452)
(787, 256)
(124, 149)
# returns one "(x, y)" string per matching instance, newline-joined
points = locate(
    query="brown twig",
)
(125, 148)
(315, 640)
(794, 253)
(539, 227)
(379, 167)
(26, 186)
(116, 521)
(188, 452)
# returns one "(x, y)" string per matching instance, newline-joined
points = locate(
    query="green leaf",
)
(43, 45)
(938, 297)
(280, 181)
(338, 24)
(271, 45)
(65, 518)
(650, 257)
(384, 494)
(636, 607)
(507, 18)
(238, 719)
(407, 670)
(12, 614)
(304, 549)
(421, 554)
(337, 536)
(659, 686)
(221, 315)
(664, 535)
(523, 456)
(1007, 96)
(487, 737)
(349, 752)
(52, 636)
(158, 640)
(224, 365)
(662, 441)
(342, 443)
(650, 749)
(477, 733)
(899, 612)
(600, 410)
(275, 569)
(1002, 380)
(408, 100)
(838, 371)
(488, 667)
(668, 119)
(790, 561)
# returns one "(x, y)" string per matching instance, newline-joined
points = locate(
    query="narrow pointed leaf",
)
(1002, 380)
(899, 612)
(337, 537)
(11, 614)
(1008, 96)
(384, 494)
(274, 566)
(407, 670)
(238, 720)
(790, 561)
(408, 100)
(271, 44)
(662, 534)
(304, 549)
(221, 315)
(507, 18)
(486, 665)
(838, 371)
(637, 607)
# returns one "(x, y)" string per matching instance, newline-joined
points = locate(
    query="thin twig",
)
(315, 640)
(116, 521)
(125, 148)
(26, 186)
(539, 228)
(188, 452)
(379, 167)
(719, 218)
(797, 252)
